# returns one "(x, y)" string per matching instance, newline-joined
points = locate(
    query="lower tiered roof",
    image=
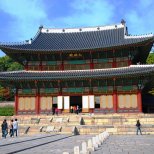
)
(133, 70)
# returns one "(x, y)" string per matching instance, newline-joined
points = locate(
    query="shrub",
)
(7, 110)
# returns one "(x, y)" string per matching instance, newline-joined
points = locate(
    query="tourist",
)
(71, 109)
(138, 126)
(77, 109)
(4, 127)
(53, 111)
(56, 110)
(74, 109)
(11, 129)
(15, 127)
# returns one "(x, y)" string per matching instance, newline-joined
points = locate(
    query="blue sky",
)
(20, 19)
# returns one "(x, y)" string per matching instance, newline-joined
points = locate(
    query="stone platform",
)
(84, 123)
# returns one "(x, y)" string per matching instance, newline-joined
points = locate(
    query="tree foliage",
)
(150, 59)
(8, 64)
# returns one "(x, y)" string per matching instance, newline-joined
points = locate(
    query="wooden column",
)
(26, 67)
(90, 88)
(59, 88)
(114, 65)
(139, 100)
(37, 100)
(37, 105)
(114, 60)
(40, 66)
(16, 102)
(129, 62)
(62, 65)
(91, 61)
(62, 62)
(115, 101)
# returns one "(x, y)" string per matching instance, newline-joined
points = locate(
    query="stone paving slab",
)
(40, 144)
(127, 144)
(57, 144)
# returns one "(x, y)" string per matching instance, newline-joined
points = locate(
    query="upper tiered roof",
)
(79, 39)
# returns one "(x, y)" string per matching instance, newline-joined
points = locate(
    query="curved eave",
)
(8, 49)
(141, 70)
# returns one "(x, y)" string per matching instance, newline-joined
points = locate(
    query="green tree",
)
(150, 59)
(8, 64)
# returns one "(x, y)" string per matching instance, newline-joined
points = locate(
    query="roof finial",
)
(123, 22)
(41, 27)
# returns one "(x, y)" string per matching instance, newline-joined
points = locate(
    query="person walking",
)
(138, 126)
(15, 127)
(4, 127)
(11, 129)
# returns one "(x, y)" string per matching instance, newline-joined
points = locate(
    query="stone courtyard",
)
(57, 144)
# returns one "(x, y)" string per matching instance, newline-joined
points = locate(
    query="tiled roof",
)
(79, 39)
(77, 74)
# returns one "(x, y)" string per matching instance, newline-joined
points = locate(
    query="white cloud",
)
(89, 13)
(28, 15)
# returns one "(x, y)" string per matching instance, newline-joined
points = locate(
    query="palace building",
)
(100, 69)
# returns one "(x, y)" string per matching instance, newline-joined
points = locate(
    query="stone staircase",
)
(85, 123)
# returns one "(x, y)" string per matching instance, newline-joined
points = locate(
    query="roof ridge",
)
(81, 29)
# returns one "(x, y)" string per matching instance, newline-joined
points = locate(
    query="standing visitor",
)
(56, 110)
(4, 127)
(11, 128)
(77, 109)
(15, 127)
(53, 110)
(138, 126)
(74, 108)
(71, 109)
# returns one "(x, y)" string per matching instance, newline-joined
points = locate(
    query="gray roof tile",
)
(77, 74)
(79, 40)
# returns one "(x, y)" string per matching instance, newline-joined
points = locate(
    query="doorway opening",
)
(54, 102)
(76, 100)
(97, 101)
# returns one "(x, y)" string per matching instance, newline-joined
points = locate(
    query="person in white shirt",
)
(15, 127)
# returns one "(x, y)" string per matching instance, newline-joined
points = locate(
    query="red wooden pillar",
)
(91, 65)
(139, 100)
(40, 66)
(16, 103)
(26, 67)
(37, 103)
(91, 61)
(129, 62)
(115, 101)
(114, 65)
(62, 62)
(37, 99)
(62, 66)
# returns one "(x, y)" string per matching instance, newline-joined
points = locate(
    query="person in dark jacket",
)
(138, 126)
(4, 128)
